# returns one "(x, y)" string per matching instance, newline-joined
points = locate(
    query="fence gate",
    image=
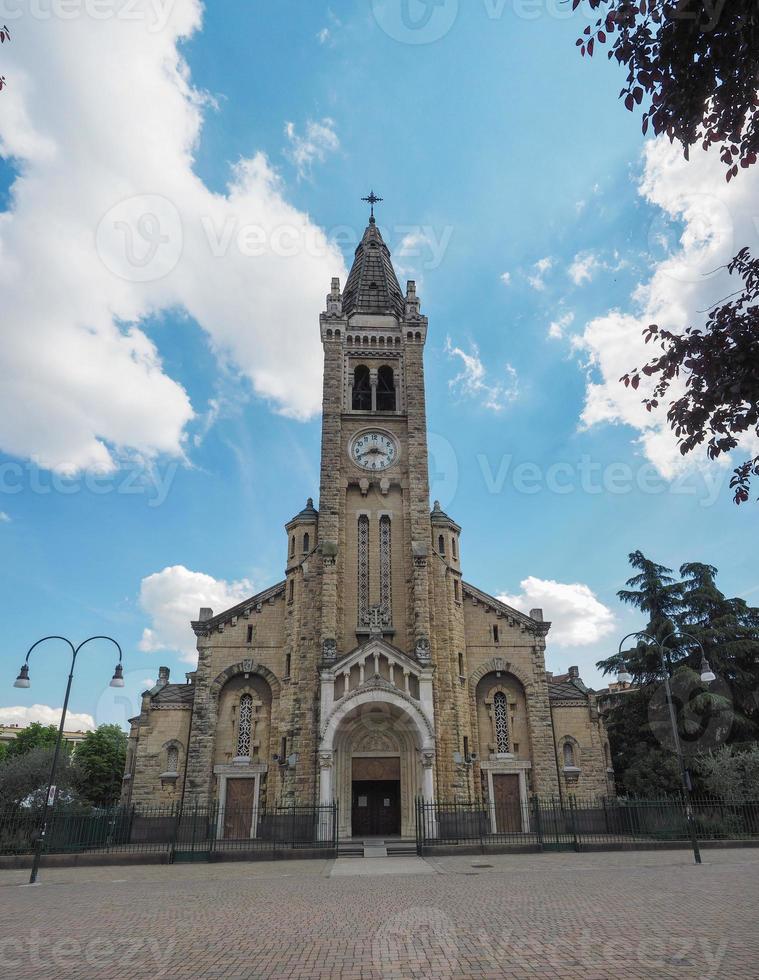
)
(556, 824)
(194, 833)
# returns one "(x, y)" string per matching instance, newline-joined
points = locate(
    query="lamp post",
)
(23, 681)
(707, 676)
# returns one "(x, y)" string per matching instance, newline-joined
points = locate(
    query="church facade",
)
(373, 674)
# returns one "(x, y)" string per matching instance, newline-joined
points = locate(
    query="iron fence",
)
(575, 824)
(190, 833)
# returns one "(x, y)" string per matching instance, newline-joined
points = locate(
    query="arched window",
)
(501, 722)
(292, 546)
(306, 543)
(453, 546)
(385, 389)
(441, 545)
(569, 755)
(362, 389)
(244, 726)
(172, 759)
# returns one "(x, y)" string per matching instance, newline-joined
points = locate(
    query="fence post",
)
(537, 821)
(573, 822)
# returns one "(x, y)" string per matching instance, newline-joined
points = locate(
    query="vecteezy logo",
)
(140, 239)
(416, 942)
(415, 21)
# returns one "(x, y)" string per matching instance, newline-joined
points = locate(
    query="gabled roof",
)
(367, 648)
(561, 690)
(202, 627)
(372, 285)
(174, 695)
(536, 626)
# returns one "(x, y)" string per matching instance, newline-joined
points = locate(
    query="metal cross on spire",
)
(372, 199)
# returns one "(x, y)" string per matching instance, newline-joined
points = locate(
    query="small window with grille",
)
(244, 726)
(501, 722)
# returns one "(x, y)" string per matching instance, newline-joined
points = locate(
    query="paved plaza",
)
(553, 916)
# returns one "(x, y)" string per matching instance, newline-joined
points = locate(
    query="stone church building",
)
(372, 674)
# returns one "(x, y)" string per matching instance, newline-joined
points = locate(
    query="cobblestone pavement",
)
(552, 916)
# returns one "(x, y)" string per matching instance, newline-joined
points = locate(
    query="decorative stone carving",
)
(326, 759)
(329, 651)
(428, 759)
(248, 665)
(423, 650)
(376, 742)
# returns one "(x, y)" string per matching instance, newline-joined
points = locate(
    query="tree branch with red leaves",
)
(721, 368)
(695, 65)
(5, 35)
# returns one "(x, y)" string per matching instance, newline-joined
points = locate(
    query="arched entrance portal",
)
(377, 757)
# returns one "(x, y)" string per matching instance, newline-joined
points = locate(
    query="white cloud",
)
(109, 226)
(45, 715)
(472, 381)
(319, 139)
(506, 278)
(583, 267)
(718, 219)
(578, 617)
(324, 35)
(4, 518)
(557, 328)
(173, 597)
(536, 278)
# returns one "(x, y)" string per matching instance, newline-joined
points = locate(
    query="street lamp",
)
(707, 676)
(23, 681)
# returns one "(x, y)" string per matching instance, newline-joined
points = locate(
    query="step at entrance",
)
(375, 849)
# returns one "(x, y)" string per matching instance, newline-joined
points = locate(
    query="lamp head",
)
(118, 676)
(23, 677)
(707, 674)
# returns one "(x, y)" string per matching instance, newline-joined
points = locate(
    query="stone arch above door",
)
(246, 667)
(499, 665)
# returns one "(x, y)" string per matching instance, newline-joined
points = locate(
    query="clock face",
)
(373, 451)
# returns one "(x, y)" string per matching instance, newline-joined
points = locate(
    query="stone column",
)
(326, 819)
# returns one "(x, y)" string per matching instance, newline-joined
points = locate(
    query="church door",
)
(508, 810)
(239, 808)
(376, 808)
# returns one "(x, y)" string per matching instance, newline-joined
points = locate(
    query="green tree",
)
(100, 761)
(641, 766)
(655, 592)
(34, 736)
(24, 778)
(731, 772)
(728, 631)
(640, 725)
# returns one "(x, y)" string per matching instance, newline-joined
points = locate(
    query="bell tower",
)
(374, 519)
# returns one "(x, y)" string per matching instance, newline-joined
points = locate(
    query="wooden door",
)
(239, 808)
(508, 809)
(376, 810)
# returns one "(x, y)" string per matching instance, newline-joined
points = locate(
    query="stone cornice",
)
(205, 627)
(515, 617)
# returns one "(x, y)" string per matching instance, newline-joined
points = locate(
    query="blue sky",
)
(542, 230)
